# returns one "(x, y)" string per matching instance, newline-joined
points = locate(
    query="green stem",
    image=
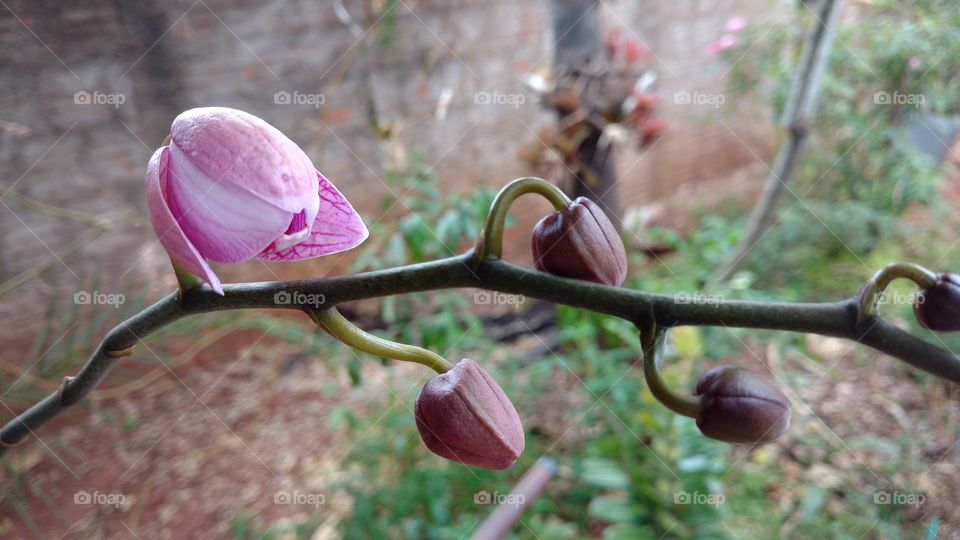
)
(339, 327)
(490, 245)
(872, 291)
(185, 280)
(836, 319)
(652, 338)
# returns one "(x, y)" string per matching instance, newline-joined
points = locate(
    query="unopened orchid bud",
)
(580, 242)
(738, 406)
(463, 415)
(938, 307)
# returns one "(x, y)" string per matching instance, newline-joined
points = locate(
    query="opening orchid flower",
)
(229, 187)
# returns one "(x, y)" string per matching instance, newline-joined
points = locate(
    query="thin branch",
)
(797, 118)
(841, 319)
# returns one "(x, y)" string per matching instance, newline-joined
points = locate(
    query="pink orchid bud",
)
(463, 415)
(580, 242)
(739, 406)
(230, 187)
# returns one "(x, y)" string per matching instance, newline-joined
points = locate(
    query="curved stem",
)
(837, 319)
(490, 244)
(339, 327)
(652, 341)
(871, 293)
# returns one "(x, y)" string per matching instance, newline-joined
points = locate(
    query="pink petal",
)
(235, 147)
(736, 24)
(337, 228)
(227, 224)
(183, 253)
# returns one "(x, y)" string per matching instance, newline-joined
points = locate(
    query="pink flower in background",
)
(736, 24)
(230, 187)
(722, 44)
(729, 39)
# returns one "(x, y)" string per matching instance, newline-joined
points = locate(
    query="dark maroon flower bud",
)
(580, 242)
(738, 406)
(463, 415)
(938, 307)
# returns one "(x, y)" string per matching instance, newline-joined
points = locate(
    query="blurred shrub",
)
(890, 62)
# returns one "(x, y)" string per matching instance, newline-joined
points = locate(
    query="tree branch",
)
(839, 319)
(797, 118)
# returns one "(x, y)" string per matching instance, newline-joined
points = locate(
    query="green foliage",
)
(645, 463)
(242, 527)
(855, 153)
(430, 227)
(623, 479)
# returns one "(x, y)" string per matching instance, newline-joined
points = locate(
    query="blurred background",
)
(254, 425)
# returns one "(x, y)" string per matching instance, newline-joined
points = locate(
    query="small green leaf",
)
(604, 473)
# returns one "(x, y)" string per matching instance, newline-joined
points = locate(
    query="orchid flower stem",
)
(872, 292)
(185, 280)
(835, 319)
(490, 245)
(339, 327)
(652, 339)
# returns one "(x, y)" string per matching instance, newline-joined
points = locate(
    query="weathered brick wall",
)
(163, 57)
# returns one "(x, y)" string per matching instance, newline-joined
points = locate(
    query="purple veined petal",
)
(225, 223)
(337, 228)
(171, 236)
(299, 227)
(235, 147)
